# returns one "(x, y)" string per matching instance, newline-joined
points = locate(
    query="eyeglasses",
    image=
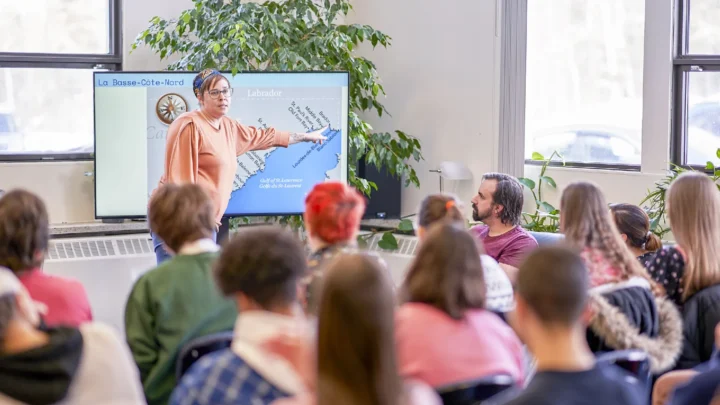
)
(215, 94)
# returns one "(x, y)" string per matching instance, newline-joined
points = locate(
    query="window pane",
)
(704, 31)
(55, 26)
(584, 79)
(46, 111)
(703, 118)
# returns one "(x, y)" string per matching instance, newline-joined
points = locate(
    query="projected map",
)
(275, 180)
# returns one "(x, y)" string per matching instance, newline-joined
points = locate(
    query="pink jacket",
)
(438, 350)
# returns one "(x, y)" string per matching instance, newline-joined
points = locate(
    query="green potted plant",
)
(291, 35)
(654, 201)
(545, 217)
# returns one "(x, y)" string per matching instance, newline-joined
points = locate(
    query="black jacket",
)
(700, 313)
(628, 316)
(43, 375)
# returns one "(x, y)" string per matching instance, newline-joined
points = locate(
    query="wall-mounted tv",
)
(134, 109)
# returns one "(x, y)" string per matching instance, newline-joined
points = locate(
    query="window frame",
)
(685, 63)
(110, 61)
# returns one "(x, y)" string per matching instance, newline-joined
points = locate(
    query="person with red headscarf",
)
(333, 211)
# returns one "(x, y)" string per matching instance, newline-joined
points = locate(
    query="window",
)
(584, 80)
(48, 52)
(696, 126)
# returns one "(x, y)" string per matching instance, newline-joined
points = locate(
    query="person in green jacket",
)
(177, 301)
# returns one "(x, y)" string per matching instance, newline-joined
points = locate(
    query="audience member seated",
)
(551, 300)
(355, 360)
(260, 269)
(333, 211)
(498, 204)
(693, 386)
(444, 334)
(696, 229)
(178, 300)
(694, 212)
(499, 290)
(86, 366)
(634, 226)
(630, 311)
(24, 239)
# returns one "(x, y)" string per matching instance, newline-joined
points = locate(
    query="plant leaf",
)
(547, 207)
(388, 241)
(717, 153)
(549, 180)
(710, 166)
(537, 156)
(527, 182)
(406, 225)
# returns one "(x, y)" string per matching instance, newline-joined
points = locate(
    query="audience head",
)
(551, 292)
(499, 200)
(693, 206)
(634, 227)
(446, 272)
(333, 211)
(356, 343)
(181, 214)
(24, 230)
(15, 305)
(261, 267)
(586, 222)
(435, 208)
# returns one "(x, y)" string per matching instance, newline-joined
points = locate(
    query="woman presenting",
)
(203, 145)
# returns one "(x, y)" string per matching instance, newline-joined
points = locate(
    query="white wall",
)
(441, 77)
(67, 192)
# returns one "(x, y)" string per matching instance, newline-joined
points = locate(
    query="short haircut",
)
(509, 194)
(436, 207)
(554, 282)
(24, 230)
(447, 272)
(263, 263)
(333, 211)
(181, 213)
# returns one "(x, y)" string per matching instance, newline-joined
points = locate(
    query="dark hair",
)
(447, 272)
(356, 355)
(632, 221)
(509, 194)
(554, 281)
(181, 213)
(7, 312)
(436, 207)
(263, 263)
(24, 230)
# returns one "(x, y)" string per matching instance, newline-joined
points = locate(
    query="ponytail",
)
(437, 207)
(652, 243)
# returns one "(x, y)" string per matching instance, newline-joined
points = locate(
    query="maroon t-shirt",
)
(509, 248)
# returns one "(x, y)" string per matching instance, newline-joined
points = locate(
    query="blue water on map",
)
(289, 175)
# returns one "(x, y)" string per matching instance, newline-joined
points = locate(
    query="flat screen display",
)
(133, 111)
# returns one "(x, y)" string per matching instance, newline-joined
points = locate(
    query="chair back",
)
(196, 348)
(474, 391)
(634, 361)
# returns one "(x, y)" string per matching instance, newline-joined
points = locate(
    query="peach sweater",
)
(197, 152)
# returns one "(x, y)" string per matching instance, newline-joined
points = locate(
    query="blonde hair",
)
(588, 223)
(693, 203)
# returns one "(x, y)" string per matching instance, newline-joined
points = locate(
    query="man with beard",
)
(498, 205)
